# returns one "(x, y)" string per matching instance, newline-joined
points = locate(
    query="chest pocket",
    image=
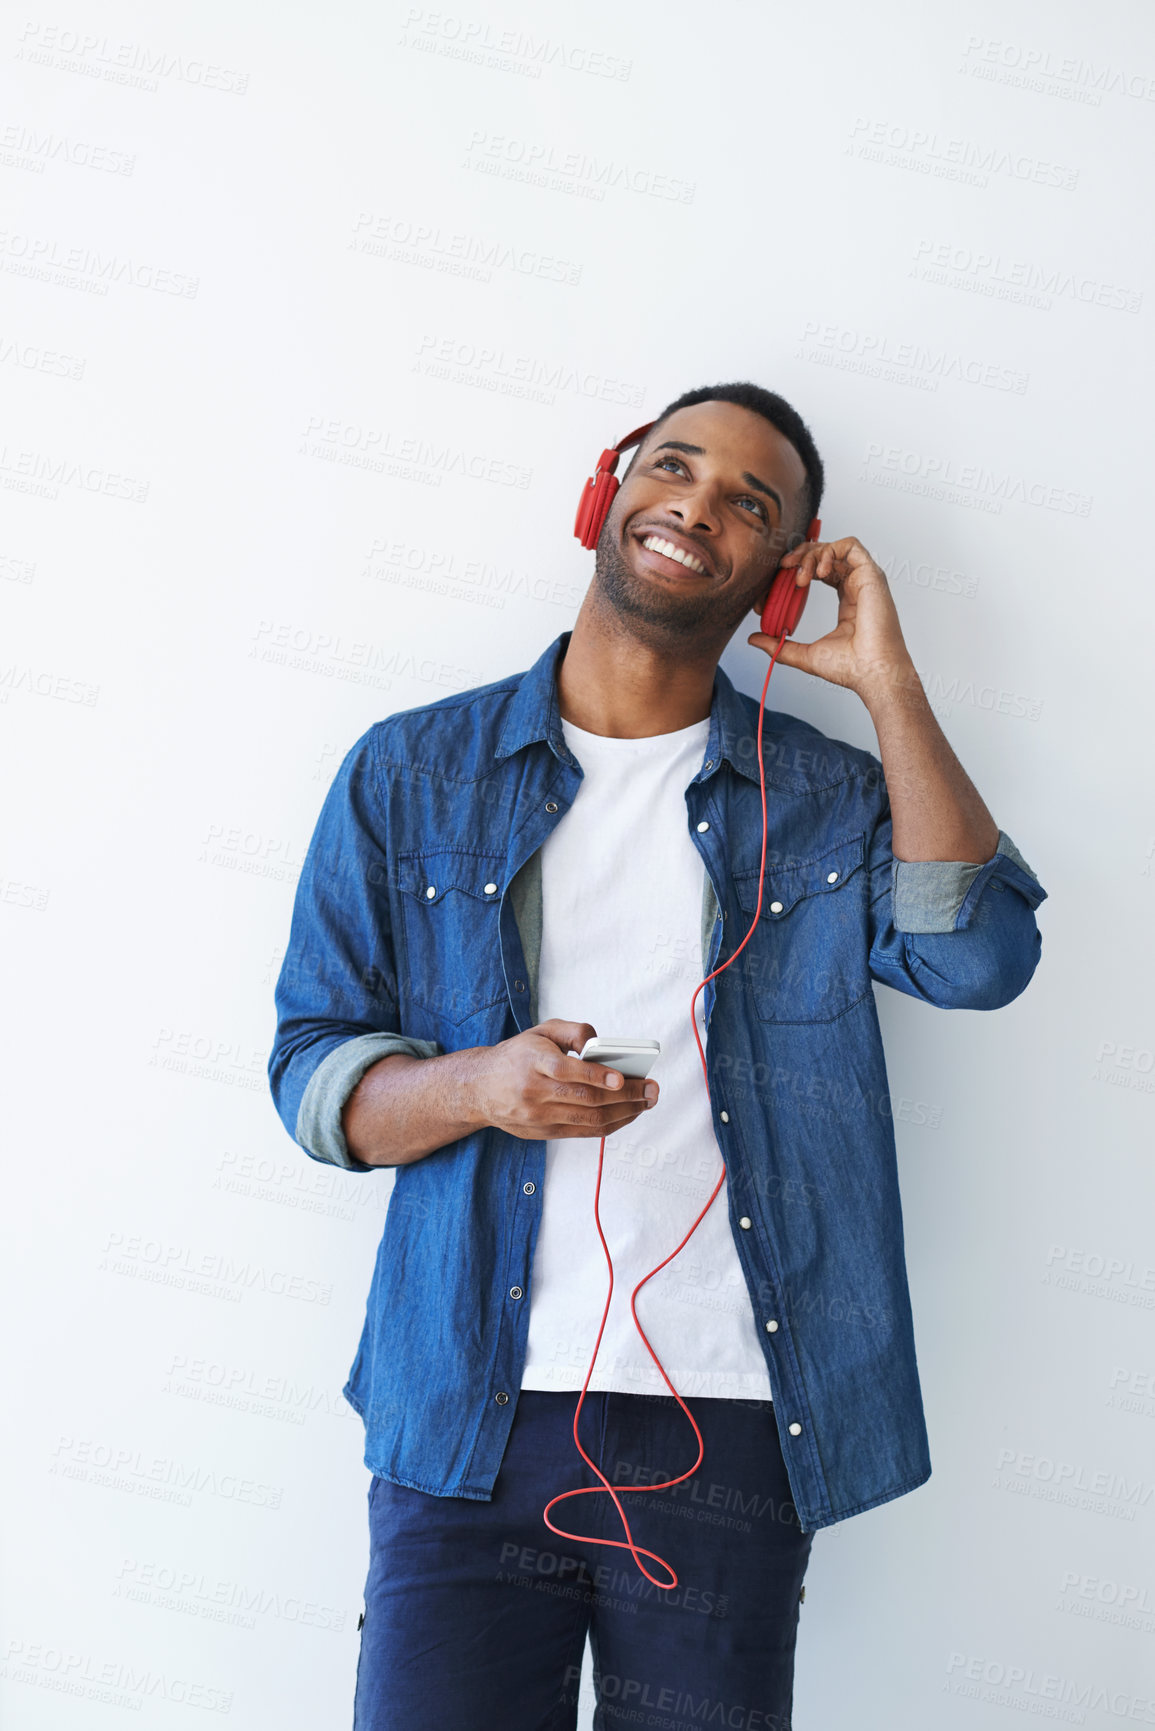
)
(808, 959)
(450, 906)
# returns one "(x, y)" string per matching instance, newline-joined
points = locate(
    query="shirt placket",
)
(543, 803)
(751, 1237)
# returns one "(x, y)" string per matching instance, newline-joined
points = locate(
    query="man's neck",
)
(612, 683)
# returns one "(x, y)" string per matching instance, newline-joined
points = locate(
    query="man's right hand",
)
(531, 1087)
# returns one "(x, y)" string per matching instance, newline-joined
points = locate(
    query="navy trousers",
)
(476, 1615)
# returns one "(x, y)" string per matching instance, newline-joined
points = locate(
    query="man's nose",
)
(697, 510)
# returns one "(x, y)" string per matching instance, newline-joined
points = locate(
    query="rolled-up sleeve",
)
(955, 933)
(336, 994)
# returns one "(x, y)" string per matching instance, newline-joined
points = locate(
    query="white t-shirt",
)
(622, 887)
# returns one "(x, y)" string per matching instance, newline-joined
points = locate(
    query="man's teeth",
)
(655, 544)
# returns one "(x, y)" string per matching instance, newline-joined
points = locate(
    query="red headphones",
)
(785, 602)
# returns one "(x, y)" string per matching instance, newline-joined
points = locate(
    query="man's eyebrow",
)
(699, 451)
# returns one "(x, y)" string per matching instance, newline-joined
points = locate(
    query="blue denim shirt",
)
(416, 928)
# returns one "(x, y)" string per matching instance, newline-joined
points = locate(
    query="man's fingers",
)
(593, 1085)
(590, 1123)
(584, 1078)
(582, 1073)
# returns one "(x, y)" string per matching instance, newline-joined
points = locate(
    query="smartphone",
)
(631, 1057)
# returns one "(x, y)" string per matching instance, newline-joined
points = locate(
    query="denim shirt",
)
(417, 927)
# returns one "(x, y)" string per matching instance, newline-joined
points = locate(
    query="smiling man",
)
(498, 876)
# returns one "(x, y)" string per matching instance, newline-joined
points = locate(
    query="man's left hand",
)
(866, 650)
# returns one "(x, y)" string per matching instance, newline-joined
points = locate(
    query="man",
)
(499, 875)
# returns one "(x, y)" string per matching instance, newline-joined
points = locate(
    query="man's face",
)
(722, 487)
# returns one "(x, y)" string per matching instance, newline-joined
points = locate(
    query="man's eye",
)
(662, 461)
(757, 504)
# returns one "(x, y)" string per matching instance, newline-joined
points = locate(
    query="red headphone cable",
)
(605, 1488)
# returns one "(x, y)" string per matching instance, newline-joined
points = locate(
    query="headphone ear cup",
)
(594, 507)
(585, 503)
(785, 605)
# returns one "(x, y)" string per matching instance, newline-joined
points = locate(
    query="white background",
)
(243, 520)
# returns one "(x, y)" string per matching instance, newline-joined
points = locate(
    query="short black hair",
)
(772, 408)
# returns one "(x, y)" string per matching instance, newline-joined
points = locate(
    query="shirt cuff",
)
(929, 893)
(319, 1119)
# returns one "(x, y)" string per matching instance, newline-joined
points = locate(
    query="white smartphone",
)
(631, 1057)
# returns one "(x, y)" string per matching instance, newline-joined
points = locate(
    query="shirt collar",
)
(534, 715)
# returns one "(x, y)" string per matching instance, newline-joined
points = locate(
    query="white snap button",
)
(431, 891)
(771, 1327)
(775, 907)
(703, 827)
(491, 889)
(832, 877)
(725, 1117)
(515, 1292)
(529, 1188)
(745, 1223)
(795, 1430)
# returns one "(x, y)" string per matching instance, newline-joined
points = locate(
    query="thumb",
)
(790, 655)
(569, 1036)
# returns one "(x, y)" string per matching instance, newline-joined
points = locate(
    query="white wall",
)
(240, 525)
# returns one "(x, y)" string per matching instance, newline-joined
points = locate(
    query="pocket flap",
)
(429, 874)
(785, 885)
